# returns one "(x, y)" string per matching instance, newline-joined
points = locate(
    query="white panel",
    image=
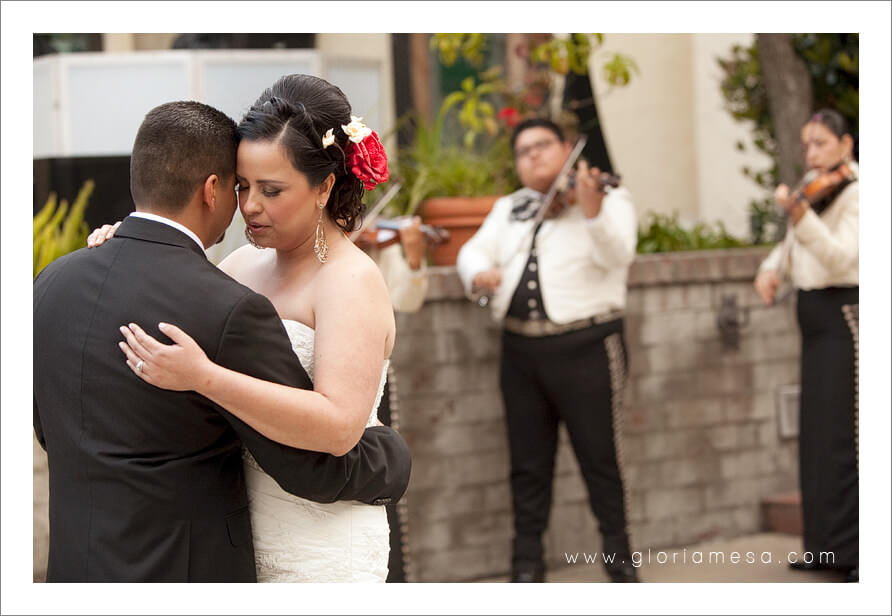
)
(232, 81)
(106, 103)
(101, 99)
(46, 105)
(787, 404)
(361, 83)
(232, 88)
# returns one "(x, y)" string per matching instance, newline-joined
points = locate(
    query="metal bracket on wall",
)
(729, 319)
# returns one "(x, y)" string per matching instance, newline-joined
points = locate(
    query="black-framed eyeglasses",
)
(536, 146)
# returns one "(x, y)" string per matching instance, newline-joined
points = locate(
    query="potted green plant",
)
(453, 182)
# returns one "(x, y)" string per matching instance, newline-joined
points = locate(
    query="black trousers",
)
(828, 439)
(388, 413)
(576, 378)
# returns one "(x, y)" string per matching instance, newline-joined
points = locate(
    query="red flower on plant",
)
(368, 161)
(510, 115)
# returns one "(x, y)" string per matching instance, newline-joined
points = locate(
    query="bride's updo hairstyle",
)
(295, 112)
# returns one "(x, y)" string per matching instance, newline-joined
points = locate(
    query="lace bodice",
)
(297, 540)
(303, 341)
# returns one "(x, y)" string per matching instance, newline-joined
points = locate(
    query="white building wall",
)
(724, 192)
(668, 133)
(648, 124)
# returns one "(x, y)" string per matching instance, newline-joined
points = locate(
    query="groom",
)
(147, 484)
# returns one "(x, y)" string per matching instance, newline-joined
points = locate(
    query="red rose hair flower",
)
(368, 160)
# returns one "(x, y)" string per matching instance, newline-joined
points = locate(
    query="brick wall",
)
(700, 439)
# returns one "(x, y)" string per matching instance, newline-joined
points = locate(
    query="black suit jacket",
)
(147, 484)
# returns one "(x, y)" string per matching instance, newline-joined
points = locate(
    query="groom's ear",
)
(209, 192)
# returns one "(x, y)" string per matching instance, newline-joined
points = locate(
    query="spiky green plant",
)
(54, 233)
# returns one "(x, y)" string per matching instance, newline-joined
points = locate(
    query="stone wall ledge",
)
(683, 267)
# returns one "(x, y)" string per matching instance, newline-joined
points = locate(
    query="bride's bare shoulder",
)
(353, 275)
(352, 297)
(241, 260)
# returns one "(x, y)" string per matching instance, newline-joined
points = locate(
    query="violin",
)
(563, 197)
(604, 179)
(387, 233)
(608, 179)
(819, 189)
(555, 200)
(565, 180)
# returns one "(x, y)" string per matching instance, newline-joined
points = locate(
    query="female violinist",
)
(820, 255)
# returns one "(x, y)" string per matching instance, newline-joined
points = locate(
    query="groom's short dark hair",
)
(176, 148)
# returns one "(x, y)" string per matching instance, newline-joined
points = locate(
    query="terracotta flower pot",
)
(461, 216)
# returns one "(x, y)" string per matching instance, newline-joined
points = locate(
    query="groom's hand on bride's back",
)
(98, 236)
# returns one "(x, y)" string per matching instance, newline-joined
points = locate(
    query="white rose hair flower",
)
(356, 130)
(328, 138)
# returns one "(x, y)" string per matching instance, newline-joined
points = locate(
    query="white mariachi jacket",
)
(821, 250)
(583, 263)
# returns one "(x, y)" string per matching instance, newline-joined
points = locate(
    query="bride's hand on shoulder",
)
(180, 366)
(98, 236)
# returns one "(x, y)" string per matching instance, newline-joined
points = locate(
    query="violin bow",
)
(376, 210)
(559, 180)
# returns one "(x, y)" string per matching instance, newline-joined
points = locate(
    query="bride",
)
(303, 161)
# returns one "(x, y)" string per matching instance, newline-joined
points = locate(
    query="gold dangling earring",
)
(321, 246)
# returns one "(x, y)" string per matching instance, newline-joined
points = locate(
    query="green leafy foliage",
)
(832, 61)
(618, 70)
(477, 114)
(746, 99)
(565, 55)
(767, 222)
(54, 233)
(450, 46)
(664, 233)
(437, 166)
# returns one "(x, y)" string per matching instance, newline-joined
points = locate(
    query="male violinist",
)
(559, 290)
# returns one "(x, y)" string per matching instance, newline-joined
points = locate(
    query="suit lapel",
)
(158, 232)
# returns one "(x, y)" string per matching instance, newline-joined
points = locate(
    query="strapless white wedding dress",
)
(296, 540)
